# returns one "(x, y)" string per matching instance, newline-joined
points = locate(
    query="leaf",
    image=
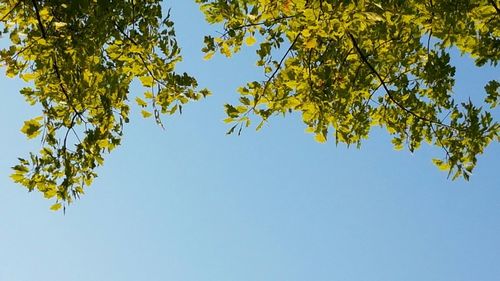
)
(259, 127)
(231, 111)
(231, 130)
(17, 177)
(56, 206)
(28, 76)
(319, 137)
(104, 143)
(443, 166)
(208, 55)
(32, 127)
(250, 40)
(146, 114)
(50, 193)
(141, 102)
(311, 43)
(59, 25)
(493, 93)
(225, 50)
(147, 81)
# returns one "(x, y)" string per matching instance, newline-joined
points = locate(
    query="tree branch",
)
(140, 56)
(11, 10)
(384, 85)
(492, 2)
(259, 23)
(278, 67)
(56, 67)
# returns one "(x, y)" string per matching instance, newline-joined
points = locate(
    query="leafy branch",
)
(11, 10)
(267, 23)
(389, 93)
(54, 64)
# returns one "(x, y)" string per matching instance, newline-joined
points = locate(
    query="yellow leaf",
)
(14, 37)
(320, 138)
(56, 206)
(250, 40)
(141, 102)
(443, 166)
(309, 15)
(50, 193)
(147, 81)
(44, 13)
(103, 143)
(208, 55)
(59, 25)
(32, 127)
(17, 177)
(146, 114)
(311, 44)
(10, 73)
(28, 76)
(225, 50)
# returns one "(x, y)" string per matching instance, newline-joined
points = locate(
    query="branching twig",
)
(56, 67)
(492, 2)
(278, 67)
(391, 97)
(258, 23)
(140, 56)
(11, 10)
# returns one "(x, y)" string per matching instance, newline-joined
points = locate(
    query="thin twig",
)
(278, 67)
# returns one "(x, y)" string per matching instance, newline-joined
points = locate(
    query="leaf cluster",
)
(347, 66)
(80, 58)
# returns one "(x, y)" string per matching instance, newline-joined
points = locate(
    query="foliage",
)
(80, 57)
(344, 65)
(352, 65)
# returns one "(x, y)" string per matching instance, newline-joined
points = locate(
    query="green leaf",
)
(32, 127)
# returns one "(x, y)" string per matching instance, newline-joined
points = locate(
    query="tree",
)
(352, 65)
(345, 65)
(82, 57)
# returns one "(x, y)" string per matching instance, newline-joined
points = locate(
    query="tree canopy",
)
(346, 66)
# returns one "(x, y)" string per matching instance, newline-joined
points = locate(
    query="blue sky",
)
(192, 204)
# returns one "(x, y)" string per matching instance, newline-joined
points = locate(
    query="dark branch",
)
(278, 67)
(492, 2)
(56, 67)
(384, 85)
(258, 23)
(10, 11)
(140, 56)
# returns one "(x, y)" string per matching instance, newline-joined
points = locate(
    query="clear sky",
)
(192, 204)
